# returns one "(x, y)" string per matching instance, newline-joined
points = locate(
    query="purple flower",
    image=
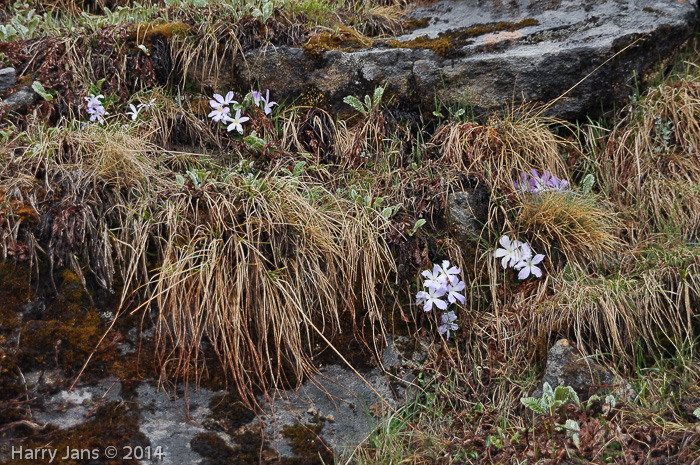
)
(510, 251)
(268, 104)
(220, 101)
(448, 324)
(219, 113)
(257, 96)
(433, 297)
(434, 279)
(453, 292)
(527, 265)
(236, 122)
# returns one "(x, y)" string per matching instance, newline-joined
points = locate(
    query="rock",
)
(486, 54)
(468, 212)
(20, 100)
(8, 78)
(567, 367)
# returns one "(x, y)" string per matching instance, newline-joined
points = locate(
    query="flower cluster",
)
(258, 99)
(519, 256)
(534, 183)
(442, 282)
(95, 108)
(134, 113)
(221, 109)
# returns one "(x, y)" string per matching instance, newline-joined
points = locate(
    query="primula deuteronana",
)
(134, 113)
(527, 266)
(453, 291)
(433, 297)
(268, 103)
(220, 101)
(450, 273)
(219, 113)
(435, 279)
(236, 122)
(257, 96)
(448, 324)
(510, 251)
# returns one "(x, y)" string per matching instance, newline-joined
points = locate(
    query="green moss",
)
(113, 424)
(15, 292)
(306, 444)
(148, 33)
(229, 412)
(447, 44)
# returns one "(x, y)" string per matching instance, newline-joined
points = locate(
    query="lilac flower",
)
(93, 101)
(435, 279)
(510, 251)
(134, 113)
(535, 183)
(268, 103)
(257, 96)
(527, 265)
(219, 113)
(220, 101)
(236, 122)
(421, 296)
(450, 273)
(448, 324)
(453, 290)
(97, 114)
(433, 297)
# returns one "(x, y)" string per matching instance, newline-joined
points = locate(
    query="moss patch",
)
(447, 44)
(113, 424)
(306, 444)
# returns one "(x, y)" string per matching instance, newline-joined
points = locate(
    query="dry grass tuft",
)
(655, 301)
(502, 148)
(649, 165)
(570, 222)
(244, 263)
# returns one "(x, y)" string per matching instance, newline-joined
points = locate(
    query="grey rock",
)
(8, 78)
(548, 47)
(567, 367)
(347, 405)
(467, 212)
(19, 100)
(337, 394)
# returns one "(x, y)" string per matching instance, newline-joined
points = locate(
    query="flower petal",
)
(524, 273)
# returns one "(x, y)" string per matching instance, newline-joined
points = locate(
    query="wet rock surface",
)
(8, 78)
(486, 54)
(336, 410)
(567, 367)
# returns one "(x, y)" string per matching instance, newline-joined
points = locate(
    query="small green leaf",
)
(532, 403)
(355, 103)
(610, 399)
(298, 168)
(378, 94)
(368, 102)
(267, 11)
(587, 183)
(438, 114)
(254, 142)
(39, 89)
(696, 412)
(144, 49)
